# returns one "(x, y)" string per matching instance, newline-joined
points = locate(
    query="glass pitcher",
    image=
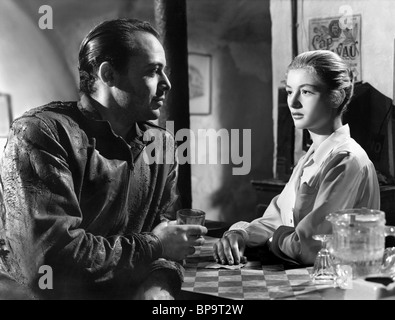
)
(359, 239)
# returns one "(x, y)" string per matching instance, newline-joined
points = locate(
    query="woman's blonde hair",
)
(332, 70)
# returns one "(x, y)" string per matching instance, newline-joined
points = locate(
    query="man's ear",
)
(106, 73)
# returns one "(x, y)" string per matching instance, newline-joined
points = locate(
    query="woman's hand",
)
(230, 249)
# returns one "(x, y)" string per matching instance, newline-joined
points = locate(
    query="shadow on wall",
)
(248, 107)
(31, 71)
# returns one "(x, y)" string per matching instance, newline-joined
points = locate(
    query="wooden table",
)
(262, 282)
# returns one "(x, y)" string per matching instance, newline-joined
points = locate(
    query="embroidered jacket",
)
(83, 201)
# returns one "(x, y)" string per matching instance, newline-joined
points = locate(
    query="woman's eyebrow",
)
(316, 87)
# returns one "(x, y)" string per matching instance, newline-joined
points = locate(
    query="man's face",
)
(140, 91)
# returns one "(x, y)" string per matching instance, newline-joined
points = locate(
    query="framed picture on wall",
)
(5, 114)
(199, 71)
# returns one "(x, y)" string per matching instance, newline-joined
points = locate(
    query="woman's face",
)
(309, 101)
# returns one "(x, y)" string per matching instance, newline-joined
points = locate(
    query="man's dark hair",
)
(112, 41)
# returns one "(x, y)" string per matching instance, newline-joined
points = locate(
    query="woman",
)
(334, 174)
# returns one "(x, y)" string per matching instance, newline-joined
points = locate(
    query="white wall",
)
(30, 68)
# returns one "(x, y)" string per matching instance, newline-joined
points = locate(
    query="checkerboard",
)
(252, 282)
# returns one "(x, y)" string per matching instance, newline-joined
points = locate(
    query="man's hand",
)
(230, 249)
(178, 241)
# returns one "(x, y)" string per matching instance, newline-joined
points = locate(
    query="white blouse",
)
(336, 175)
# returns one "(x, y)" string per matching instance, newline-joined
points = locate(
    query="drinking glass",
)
(388, 264)
(188, 217)
(191, 216)
(323, 270)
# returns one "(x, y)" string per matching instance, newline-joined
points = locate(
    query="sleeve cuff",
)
(154, 244)
(175, 271)
(274, 246)
(241, 232)
(240, 227)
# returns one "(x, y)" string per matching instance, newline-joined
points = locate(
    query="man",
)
(80, 196)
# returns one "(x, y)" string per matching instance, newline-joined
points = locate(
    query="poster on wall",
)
(340, 36)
